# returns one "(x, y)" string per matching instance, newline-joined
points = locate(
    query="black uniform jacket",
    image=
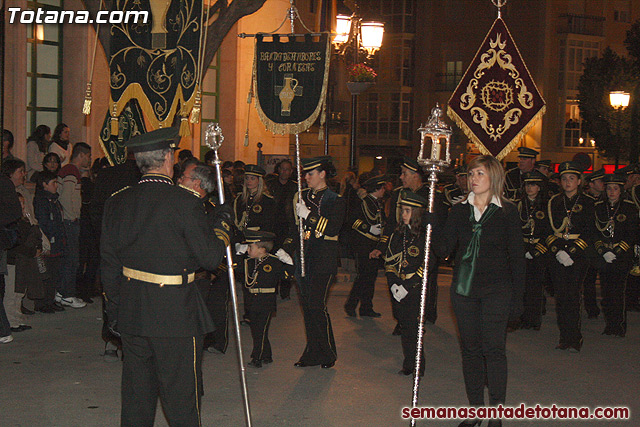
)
(163, 229)
(572, 232)
(321, 230)
(535, 225)
(513, 183)
(404, 258)
(256, 215)
(500, 265)
(369, 213)
(617, 228)
(261, 278)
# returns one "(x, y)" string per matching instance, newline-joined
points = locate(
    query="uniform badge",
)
(621, 218)
(554, 249)
(413, 251)
(257, 208)
(405, 263)
(540, 215)
(267, 268)
(363, 227)
(577, 208)
(225, 225)
(313, 219)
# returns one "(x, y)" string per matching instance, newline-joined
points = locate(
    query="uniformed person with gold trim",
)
(455, 192)
(154, 237)
(321, 211)
(366, 225)
(618, 227)
(404, 268)
(513, 177)
(632, 300)
(595, 190)
(254, 210)
(532, 209)
(412, 179)
(261, 272)
(571, 218)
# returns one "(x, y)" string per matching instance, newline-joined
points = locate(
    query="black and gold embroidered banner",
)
(290, 81)
(156, 62)
(130, 124)
(497, 101)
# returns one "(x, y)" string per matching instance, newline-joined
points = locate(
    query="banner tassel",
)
(86, 108)
(197, 105)
(184, 126)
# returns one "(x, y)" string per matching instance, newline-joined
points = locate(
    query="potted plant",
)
(361, 78)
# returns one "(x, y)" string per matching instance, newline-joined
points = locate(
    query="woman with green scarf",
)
(488, 279)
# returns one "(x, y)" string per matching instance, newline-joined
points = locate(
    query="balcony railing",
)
(581, 24)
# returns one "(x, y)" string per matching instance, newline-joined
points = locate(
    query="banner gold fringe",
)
(506, 150)
(197, 105)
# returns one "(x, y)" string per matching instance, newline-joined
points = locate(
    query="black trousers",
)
(533, 293)
(613, 278)
(482, 322)
(364, 285)
(589, 291)
(169, 368)
(431, 304)
(260, 321)
(408, 316)
(321, 346)
(633, 292)
(217, 301)
(567, 282)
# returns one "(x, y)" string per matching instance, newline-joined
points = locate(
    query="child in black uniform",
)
(262, 272)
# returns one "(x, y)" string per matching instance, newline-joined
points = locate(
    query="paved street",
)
(54, 375)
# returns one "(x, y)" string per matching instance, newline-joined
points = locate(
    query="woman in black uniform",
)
(322, 214)
(617, 224)
(488, 279)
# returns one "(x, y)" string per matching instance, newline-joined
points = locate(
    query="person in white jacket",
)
(60, 143)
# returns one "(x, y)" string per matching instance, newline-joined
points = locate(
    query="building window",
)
(448, 81)
(574, 137)
(622, 11)
(573, 54)
(44, 69)
(385, 117)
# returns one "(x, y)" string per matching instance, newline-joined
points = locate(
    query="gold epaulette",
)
(120, 190)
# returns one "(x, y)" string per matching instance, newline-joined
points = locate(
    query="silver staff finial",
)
(213, 136)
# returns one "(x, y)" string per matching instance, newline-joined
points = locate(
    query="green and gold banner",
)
(290, 77)
(130, 124)
(156, 62)
(497, 101)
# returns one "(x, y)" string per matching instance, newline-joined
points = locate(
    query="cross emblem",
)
(287, 92)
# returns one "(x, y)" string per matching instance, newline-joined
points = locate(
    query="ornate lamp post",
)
(353, 32)
(619, 100)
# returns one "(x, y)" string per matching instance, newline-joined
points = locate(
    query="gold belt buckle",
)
(307, 235)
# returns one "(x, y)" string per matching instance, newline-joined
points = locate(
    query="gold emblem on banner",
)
(257, 208)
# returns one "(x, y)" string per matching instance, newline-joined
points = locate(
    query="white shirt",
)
(476, 212)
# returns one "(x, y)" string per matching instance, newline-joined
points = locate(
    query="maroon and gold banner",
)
(497, 101)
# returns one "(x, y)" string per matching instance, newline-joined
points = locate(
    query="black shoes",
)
(256, 363)
(267, 360)
(20, 328)
(470, 423)
(408, 372)
(369, 313)
(351, 311)
(328, 365)
(301, 364)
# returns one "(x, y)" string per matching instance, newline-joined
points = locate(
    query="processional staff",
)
(214, 139)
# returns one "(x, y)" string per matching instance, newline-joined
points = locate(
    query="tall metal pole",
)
(213, 139)
(300, 225)
(354, 98)
(2, 43)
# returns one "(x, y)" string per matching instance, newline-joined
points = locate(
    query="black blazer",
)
(501, 264)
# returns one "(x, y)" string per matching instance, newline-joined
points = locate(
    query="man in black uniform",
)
(513, 179)
(458, 190)
(154, 237)
(595, 183)
(283, 188)
(366, 224)
(411, 177)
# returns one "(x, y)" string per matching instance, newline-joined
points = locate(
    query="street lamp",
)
(353, 33)
(619, 100)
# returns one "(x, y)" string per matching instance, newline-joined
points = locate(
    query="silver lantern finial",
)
(438, 132)
(213, 137)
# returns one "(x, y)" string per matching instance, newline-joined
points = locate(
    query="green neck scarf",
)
(468, 261)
